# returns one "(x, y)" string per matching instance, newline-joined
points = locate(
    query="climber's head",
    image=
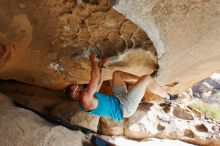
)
(73, 91)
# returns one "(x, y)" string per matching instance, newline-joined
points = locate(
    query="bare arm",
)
(103, 64)
(95, 77)
(100, 80)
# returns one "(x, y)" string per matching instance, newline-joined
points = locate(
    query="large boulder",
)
(47, 43)
(22, 127)
(186, 34)
(172, 122)
(149, 121)
(51, 105)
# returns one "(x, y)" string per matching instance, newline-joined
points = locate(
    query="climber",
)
(123, 103)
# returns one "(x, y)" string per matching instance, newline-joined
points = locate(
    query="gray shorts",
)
(129, 100)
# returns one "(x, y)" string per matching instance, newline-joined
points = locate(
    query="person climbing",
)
(123, 103)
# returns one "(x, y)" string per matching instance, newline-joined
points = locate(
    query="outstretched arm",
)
(100, 80)
(95, 76)
(102, 65)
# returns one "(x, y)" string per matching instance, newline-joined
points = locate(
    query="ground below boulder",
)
(149, 121)
(22, 127)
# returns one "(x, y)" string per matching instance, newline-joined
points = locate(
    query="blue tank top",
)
(108, 107)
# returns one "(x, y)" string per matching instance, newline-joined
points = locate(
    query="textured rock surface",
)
(173, 122)
(50, 104)
(149, 121)
(186, 34)
(47, 43)
(22, 127)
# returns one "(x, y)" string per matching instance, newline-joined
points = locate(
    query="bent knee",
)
(117, 73)
(146, 77)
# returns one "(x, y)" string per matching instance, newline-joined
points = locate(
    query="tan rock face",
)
(50, 104)
(47, 43)
(186, 34)
(152, 120)
(17, 126)
(149, 121)
(22, 127)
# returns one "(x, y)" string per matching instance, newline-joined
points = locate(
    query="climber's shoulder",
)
(88, 101)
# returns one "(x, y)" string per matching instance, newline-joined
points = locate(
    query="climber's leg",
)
(134, 96)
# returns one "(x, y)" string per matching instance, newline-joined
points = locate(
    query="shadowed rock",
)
(50, 104)
(53, 39)
(22, 127)
(149, 121)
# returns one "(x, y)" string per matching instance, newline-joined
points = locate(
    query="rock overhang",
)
(53, 40)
